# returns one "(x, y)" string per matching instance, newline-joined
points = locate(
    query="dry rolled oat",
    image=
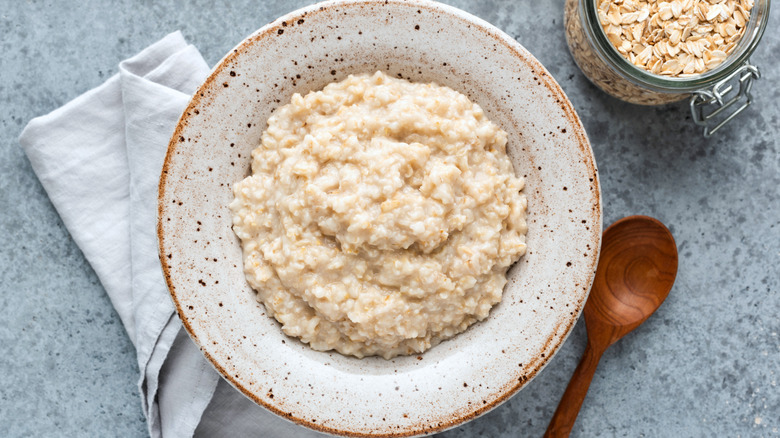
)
(678, 38)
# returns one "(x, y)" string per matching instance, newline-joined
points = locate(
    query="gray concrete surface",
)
(706, 364)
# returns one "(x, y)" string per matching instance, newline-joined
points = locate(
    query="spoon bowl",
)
(636, 271)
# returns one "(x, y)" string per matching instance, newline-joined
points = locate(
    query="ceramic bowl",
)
(459, 379)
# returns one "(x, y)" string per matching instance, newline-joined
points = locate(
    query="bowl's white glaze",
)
(461, 378)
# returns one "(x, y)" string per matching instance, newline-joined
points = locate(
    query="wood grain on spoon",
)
(636, 271)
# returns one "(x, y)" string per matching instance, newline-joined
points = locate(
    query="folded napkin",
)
(99, 158)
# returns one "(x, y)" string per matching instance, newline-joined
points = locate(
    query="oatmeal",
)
(381, 216)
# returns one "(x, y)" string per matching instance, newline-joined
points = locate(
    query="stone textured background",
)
(706, 364)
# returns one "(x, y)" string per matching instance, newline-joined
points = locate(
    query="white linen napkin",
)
(99, 157)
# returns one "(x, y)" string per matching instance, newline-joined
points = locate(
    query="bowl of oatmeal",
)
(371, 231)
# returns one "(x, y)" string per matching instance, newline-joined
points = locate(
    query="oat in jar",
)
(652, 52)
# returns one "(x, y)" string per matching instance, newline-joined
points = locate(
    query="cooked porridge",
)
(381, 216)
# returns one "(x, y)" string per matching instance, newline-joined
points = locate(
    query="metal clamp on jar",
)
(652, 52)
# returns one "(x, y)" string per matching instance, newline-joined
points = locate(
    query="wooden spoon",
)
(636, 270)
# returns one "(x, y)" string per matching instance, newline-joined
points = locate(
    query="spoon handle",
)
(571, 402)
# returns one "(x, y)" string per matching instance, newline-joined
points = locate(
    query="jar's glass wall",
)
(591, 62)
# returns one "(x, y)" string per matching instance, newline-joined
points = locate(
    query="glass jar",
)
(716, 95)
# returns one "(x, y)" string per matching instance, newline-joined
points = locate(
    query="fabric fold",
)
(154, 94)
(78, 153)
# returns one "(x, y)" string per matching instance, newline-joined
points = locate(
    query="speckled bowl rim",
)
(546, 80)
